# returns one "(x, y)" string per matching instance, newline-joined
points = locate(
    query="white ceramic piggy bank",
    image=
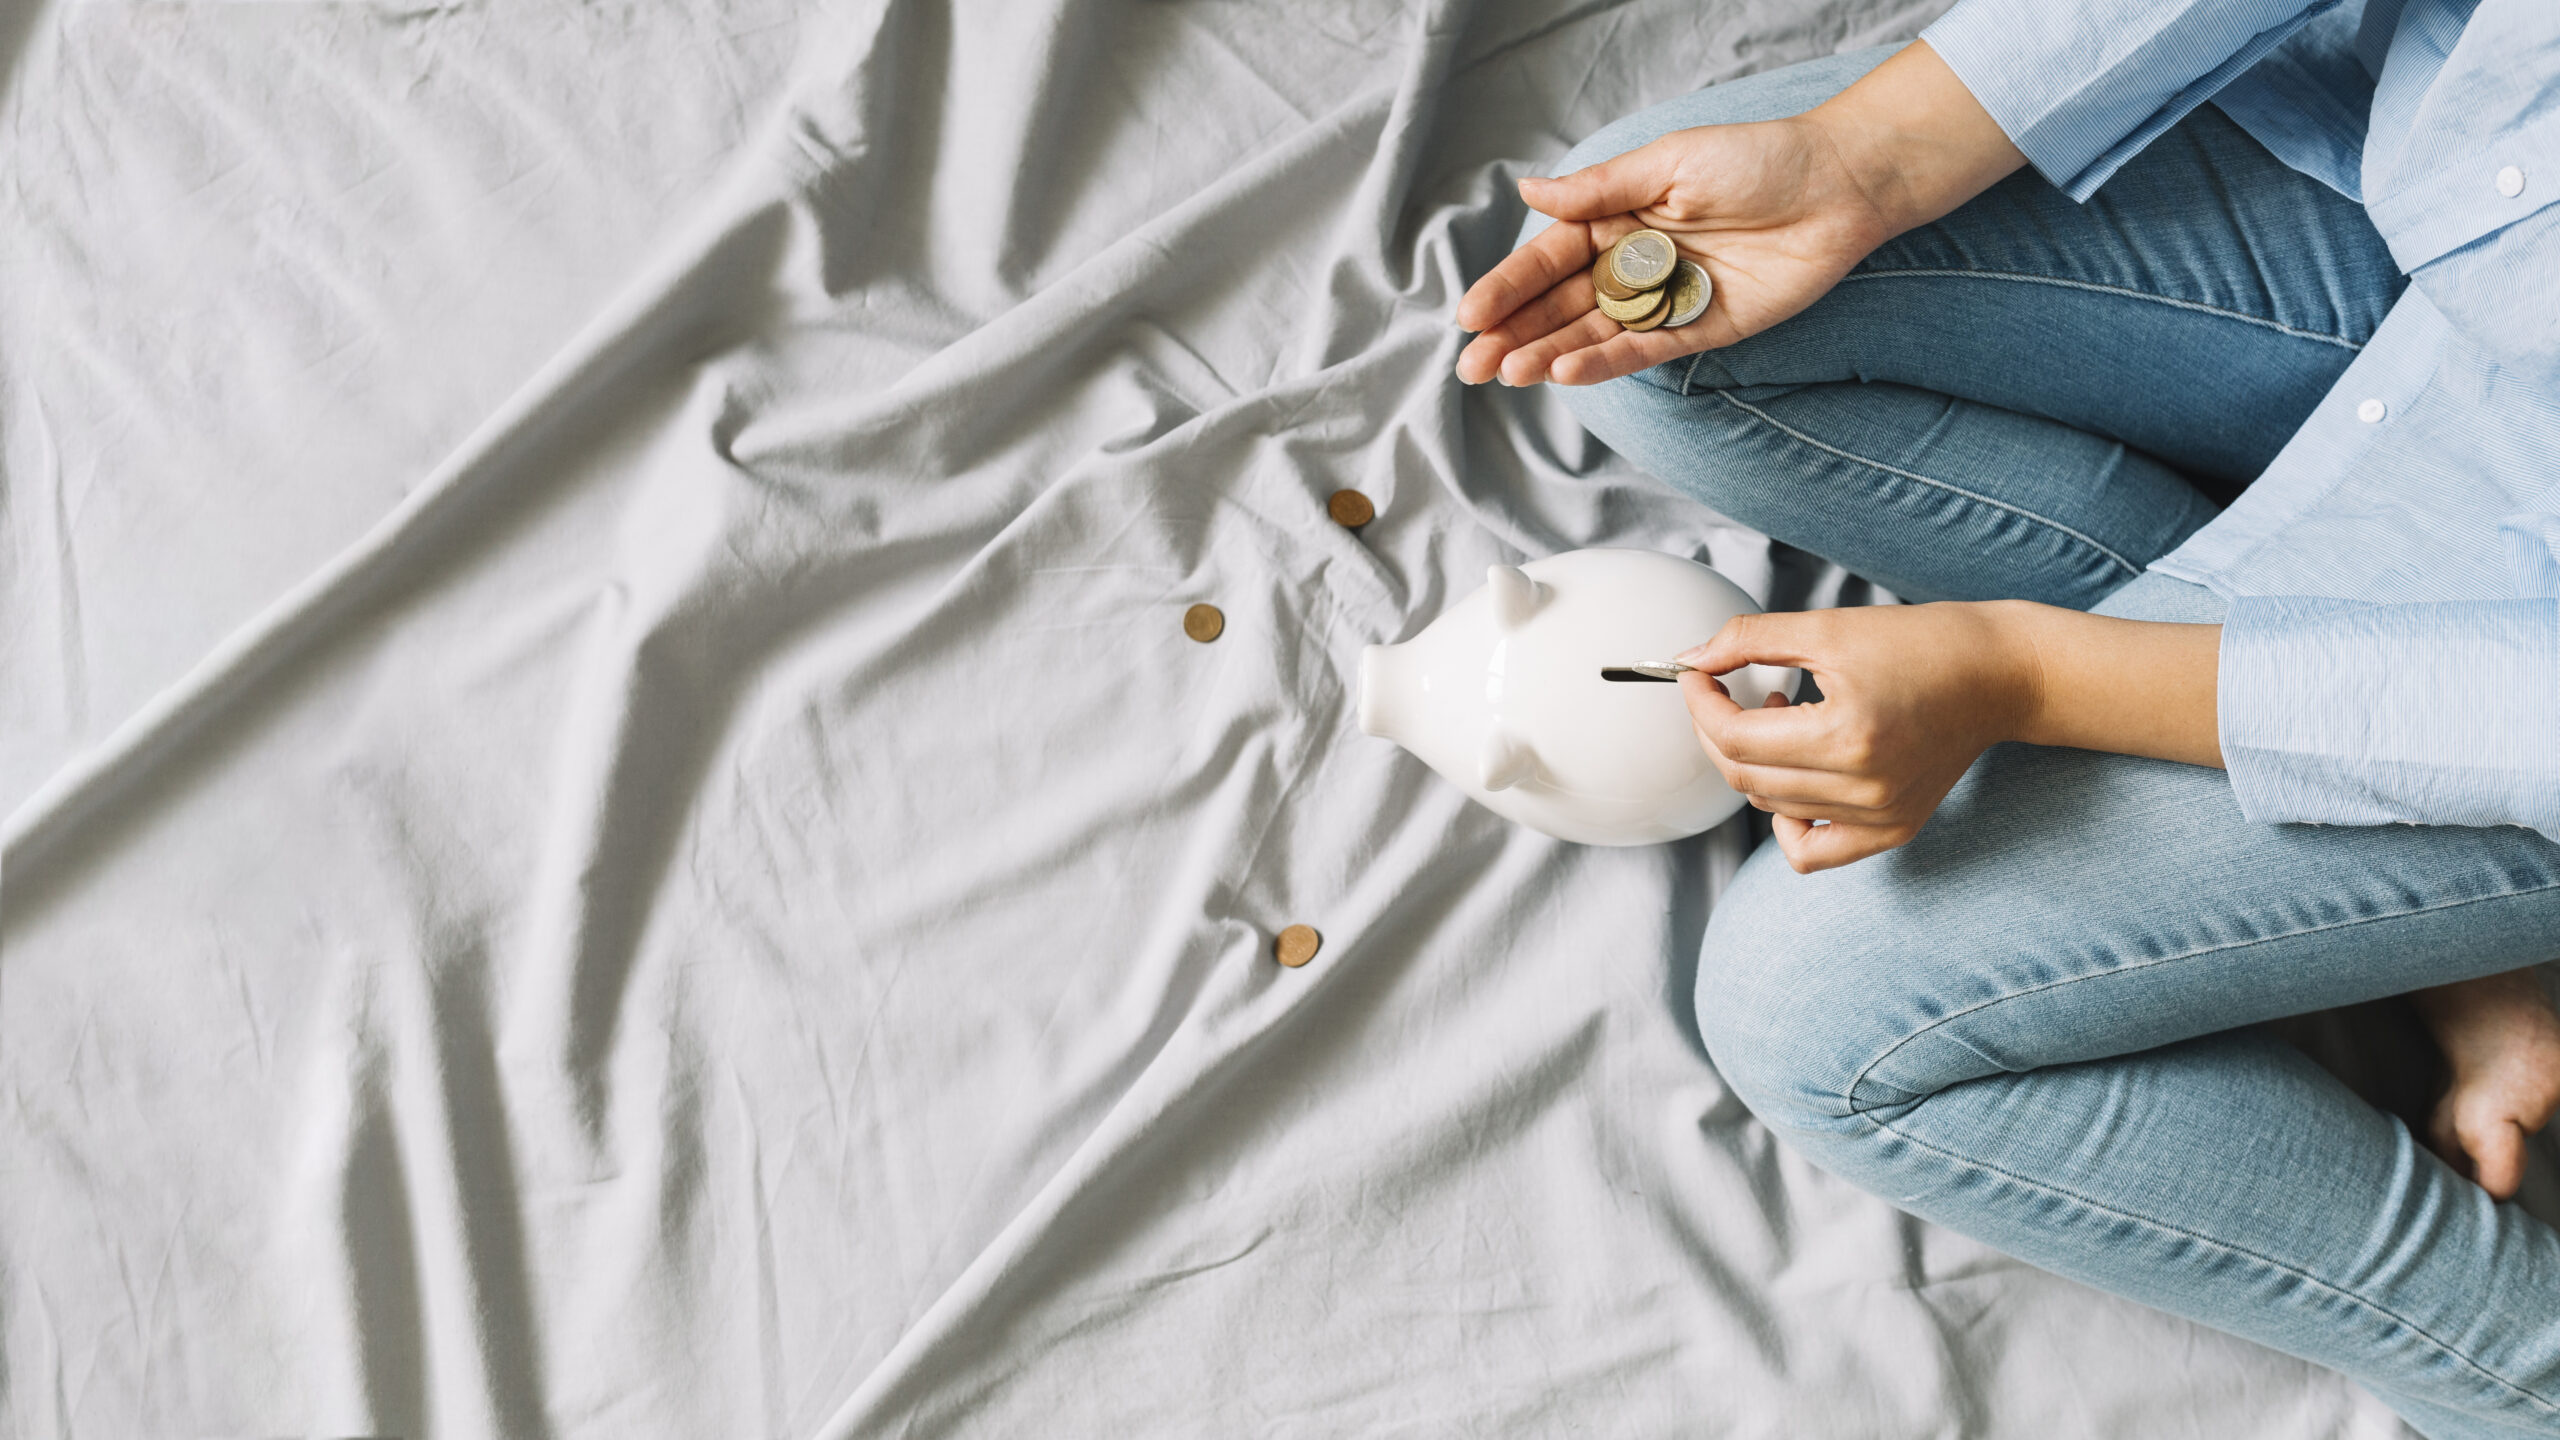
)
(1503, 695)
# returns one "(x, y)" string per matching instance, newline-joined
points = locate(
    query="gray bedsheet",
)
(612, 829)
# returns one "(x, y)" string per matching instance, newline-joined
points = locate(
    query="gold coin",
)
(1624, 311)
(1610, 286)
(1296, 946)
(1203, 623)
(1690, 291)
(1350, 509)
(1660, 312)
(1644, 259)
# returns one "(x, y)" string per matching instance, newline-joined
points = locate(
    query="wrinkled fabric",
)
(612, 829)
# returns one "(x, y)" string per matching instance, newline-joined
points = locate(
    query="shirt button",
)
(1350, 509)
(1203, 623)
(1296, 946)
(2372, 411)
(2511, 182)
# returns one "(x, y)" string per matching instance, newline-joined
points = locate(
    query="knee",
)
(1805, 984)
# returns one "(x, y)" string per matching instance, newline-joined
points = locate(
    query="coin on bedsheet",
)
(1655, 316)
(1627, 312)
(1296, 946)
(1644, 259)
(1605, 280)
(1204, 623)
(1690, 292)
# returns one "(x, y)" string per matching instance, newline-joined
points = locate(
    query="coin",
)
(1644, 259)
(1622, 311)
(1661, 310)
(1610, 286)
(1203, 623)
(1296, 946)
(1350, 509)
(1690, 291)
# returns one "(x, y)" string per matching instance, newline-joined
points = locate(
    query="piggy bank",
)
(1505, 695)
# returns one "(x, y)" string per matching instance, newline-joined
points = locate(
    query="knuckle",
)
(1858, 749)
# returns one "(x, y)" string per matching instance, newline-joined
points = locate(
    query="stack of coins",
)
(1643, 282)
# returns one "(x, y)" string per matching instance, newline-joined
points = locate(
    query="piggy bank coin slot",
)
(1622, 674)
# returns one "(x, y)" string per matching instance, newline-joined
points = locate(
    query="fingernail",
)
(1692, 655)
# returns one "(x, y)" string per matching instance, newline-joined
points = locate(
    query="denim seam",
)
(2200, 308)
(2442, 1346)
(1851, 1093)
(1766, 418)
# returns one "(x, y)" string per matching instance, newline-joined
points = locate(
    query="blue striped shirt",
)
(2392, 651)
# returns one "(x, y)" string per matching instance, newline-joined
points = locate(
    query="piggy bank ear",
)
(1516, 597)
(1506, 760)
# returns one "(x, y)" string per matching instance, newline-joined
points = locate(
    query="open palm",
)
(1771, 211)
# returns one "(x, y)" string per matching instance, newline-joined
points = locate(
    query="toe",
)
(2497, 1156)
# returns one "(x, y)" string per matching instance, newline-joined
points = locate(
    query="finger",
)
(1863, 797)
(1712, 716)
(1770, 638)
(1625, 353)
(1528, 364)
(1568, 301)
(2497, 1157)
(1813, 794)
(1794, 737)
(1622, 183)
(1812, 810)
(1524, 275)
(1810, 847)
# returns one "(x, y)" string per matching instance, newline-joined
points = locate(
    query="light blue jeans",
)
(2033, 1023)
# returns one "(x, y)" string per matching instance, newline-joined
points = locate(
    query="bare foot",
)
(2501, 1042)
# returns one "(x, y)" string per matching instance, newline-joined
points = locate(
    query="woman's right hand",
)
(1771, 212)
(1775, 212)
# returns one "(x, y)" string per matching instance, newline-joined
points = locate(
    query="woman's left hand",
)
(1910, 695)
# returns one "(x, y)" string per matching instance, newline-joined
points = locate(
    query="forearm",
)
(1915, 139)
(2128, 687)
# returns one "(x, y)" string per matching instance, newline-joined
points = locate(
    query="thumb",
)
(1613, 187)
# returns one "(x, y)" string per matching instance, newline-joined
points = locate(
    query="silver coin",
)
(1690, 292)
(1644, 259)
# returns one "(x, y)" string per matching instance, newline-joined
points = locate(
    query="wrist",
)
(2028, 654)
(2126, 687)
(1911, 139)
(2021, 680)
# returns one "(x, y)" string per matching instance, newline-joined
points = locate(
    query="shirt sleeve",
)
(2082, 87)
(2340, 712)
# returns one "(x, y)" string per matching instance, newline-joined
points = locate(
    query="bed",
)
(614, 829)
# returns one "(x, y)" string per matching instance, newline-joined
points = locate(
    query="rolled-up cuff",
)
(2337, 712)
(2080, 89)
